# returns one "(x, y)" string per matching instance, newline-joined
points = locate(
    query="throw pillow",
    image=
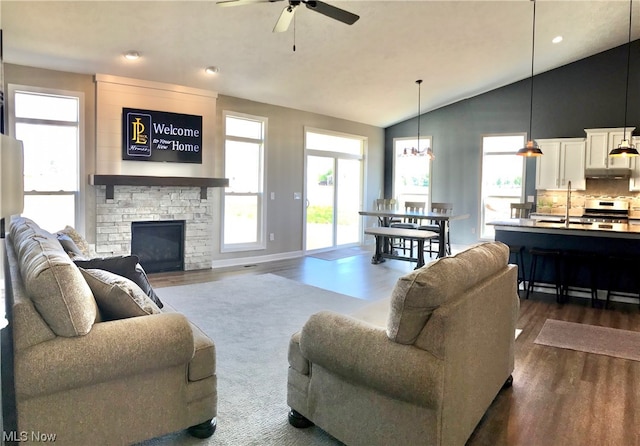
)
(69, 246)
(79, 240)
(117, 296)
(126, 266)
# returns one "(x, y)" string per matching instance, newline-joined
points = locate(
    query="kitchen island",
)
(607, 242)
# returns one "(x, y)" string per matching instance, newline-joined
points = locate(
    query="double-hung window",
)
(48, 122)
(244, 223)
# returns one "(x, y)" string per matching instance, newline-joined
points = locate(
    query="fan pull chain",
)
(294, 33)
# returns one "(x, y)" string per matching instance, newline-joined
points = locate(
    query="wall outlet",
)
(273, 195)
(530, 199)
(297, 196)
(272, 237)
(473, 230)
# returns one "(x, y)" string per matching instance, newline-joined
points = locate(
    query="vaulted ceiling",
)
(365, 72)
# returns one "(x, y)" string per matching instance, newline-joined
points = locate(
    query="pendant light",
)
(532, 148)
(429, 152)
(625, 148)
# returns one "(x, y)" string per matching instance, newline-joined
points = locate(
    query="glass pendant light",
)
(531, 148)
(625, 148)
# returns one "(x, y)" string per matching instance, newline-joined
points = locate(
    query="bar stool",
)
(617, 266)
(517, 252)
(574, 263)
(541, 254)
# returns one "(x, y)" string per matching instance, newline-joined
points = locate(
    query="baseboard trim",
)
(240, 261)
(586, 294)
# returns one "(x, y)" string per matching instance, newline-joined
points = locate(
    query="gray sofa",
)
(95, 360)
(420, 368)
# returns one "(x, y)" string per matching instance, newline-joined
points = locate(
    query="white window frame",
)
(79, 210)
(481, 216)
(361, 156)
(262, 217)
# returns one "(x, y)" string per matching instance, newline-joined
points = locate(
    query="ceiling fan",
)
(287, 14)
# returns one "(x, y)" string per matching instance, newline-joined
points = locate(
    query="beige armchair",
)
(419, 368)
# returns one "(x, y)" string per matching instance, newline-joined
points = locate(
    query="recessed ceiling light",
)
(212, 70)
(132, 55)
(557, 39)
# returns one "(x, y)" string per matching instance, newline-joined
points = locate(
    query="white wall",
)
(113, 93)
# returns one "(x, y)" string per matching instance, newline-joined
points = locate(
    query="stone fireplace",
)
(159, 245)
(134, 200)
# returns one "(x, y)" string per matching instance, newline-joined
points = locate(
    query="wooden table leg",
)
(420, 253)
(377, 256)
(442, 247)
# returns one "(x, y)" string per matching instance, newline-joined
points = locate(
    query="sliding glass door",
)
(333, 191)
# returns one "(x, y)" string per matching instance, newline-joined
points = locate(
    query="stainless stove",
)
(606, 211)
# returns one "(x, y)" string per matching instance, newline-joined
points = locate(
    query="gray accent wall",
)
(588, 93)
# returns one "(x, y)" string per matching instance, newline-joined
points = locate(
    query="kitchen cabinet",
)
(634, 181)
(563, 161)
(599, 144)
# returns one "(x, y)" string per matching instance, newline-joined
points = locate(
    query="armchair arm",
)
(363, 354)
(111, 350)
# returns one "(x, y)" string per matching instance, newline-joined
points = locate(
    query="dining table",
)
(386, 216)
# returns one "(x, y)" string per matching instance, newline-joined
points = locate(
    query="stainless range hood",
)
(615, 173)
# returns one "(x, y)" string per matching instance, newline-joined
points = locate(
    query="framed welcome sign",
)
(161, 136)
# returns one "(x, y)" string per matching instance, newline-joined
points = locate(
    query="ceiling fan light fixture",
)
(212, 70)
(531, 149)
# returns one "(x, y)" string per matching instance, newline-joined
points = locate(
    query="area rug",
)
(251, 318)
(342, 253)
(614, 342)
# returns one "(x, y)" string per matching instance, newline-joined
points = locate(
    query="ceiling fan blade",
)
(242, 2)
(285, 19)
(333, 12)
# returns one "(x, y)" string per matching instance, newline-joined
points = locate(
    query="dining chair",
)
(386, 204)
(521, 210)
(434, 226)
(409, 223)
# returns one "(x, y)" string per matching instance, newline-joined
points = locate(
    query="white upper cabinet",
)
(548, 165)
(563, 160)
(599, 144)
(634, 181)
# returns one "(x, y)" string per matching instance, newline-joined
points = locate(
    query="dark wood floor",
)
(559, 397)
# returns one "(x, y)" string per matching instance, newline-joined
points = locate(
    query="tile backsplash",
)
(555, 201)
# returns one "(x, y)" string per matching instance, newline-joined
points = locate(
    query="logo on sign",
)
(139, 126)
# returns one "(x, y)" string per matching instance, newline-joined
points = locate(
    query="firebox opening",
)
(159, 244)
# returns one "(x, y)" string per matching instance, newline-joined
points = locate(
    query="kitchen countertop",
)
(575, 227)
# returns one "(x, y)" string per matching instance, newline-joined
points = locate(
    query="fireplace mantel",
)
(140, 180)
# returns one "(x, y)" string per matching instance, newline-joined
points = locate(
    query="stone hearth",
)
(148, 203)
